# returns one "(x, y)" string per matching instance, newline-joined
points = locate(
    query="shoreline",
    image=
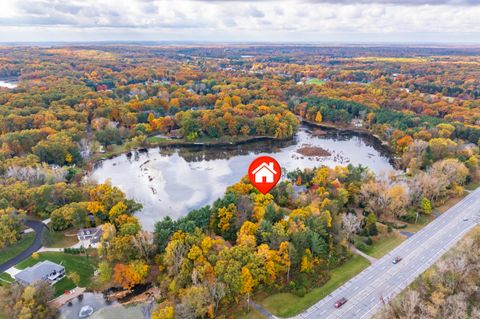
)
(383, 146)
(354, 130)
(172, 143)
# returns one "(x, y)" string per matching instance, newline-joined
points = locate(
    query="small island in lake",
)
(318, 132)
(317, 151)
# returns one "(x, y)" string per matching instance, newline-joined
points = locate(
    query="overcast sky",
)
(449, 21)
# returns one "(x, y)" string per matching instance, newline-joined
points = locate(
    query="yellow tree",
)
(246, 234)
(327, 217)
(319, 117)
(167, 312)
(150, 118)
(307, 261)
(225, 215)
(285, 258)
(117, 210)
(68, 158)
(247, 284)
(73, 276)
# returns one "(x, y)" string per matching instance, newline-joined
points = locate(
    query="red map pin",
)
(264, 173)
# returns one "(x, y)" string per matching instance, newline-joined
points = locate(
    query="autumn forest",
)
(74, 106)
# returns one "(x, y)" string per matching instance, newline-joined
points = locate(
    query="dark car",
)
(340, 302)
(397, 260)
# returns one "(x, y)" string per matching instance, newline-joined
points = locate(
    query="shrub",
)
(361, 246)
(369, 241)
(74, 251)
(372, 230)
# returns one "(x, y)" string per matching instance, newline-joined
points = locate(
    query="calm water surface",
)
(102, 308)
(173, 181)
(9, 85)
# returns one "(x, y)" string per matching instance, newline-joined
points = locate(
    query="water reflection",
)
(173, 181)
(103, 309)
(9, 84)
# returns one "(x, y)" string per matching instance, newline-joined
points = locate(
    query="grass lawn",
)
(315, 81)
(449, 203)
(59, 239)
(73, 263)
(288, 305)
(5, 279)
(472, 186)
(156, 139)
(9, 252)
(63, 285)
(423, 220)
(384, 244)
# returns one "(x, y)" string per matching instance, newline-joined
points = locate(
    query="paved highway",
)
(383, 280)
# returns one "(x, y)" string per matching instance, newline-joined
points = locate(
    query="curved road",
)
(383, 280)
(38, 227)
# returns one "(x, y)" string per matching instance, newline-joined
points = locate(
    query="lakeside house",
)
(357, 123)
(90, 237)
(45, 270)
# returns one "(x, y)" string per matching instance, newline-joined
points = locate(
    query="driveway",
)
(12, 271)
(38, 227)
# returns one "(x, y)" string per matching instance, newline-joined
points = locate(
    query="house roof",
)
(38, 271)
(88, 231)
(267, 166)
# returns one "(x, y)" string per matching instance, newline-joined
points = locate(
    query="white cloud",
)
(197, 20)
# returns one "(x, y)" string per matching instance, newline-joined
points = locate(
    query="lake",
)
(173, 181)
(8, 84)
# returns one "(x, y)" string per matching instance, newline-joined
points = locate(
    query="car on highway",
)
(465, 219)
(396, 260)
(340, 302)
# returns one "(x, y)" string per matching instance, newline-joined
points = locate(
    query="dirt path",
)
(361, 253)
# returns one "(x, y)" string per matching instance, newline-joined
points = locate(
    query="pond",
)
(173, 181)
(102, 308)
(9, 84)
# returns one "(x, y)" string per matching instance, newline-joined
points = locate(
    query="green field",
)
(73, 263)
(59, 239)
(9, 252)
(315, 81)
(288, 305)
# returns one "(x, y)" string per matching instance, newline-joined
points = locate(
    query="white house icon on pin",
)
(264, 173)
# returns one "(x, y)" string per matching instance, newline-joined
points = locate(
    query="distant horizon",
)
(259, 43)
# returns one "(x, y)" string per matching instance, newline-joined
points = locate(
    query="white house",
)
(90, 237)
(264, 173)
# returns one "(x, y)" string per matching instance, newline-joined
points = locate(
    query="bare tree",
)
(350, 225)
(144, 244)
(455, 307)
